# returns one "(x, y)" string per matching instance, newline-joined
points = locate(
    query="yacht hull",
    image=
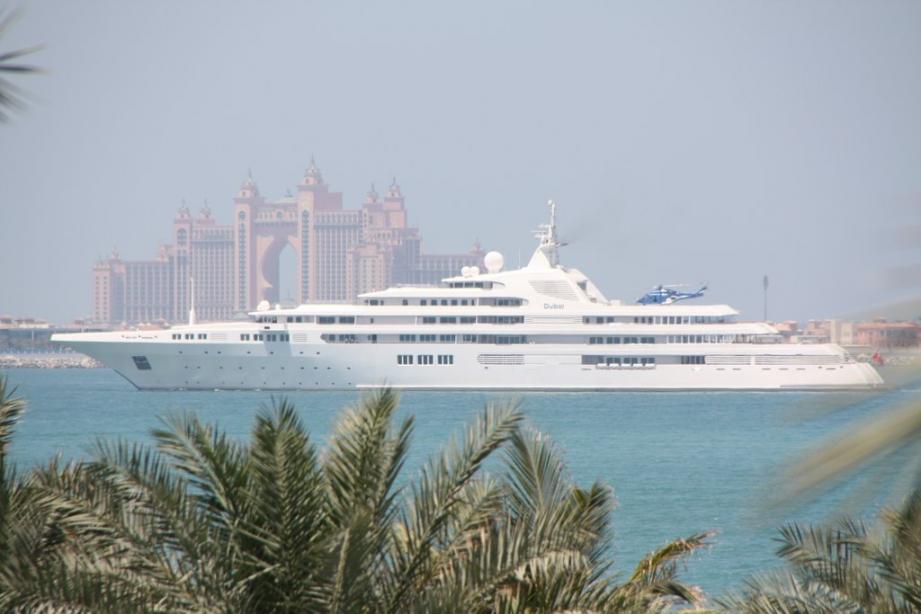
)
(306, 366)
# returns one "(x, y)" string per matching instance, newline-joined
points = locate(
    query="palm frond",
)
(12, 98)
(436, 496)
(845, 452)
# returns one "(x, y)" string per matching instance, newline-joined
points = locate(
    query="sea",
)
(678, 462)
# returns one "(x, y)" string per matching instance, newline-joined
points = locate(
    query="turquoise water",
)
(679, 463)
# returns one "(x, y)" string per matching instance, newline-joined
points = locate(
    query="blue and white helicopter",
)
(666, 295)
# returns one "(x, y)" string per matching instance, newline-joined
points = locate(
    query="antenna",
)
(546, 233)
(765, 284)
(191, 301)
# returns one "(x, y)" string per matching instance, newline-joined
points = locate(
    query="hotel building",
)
(339, 254)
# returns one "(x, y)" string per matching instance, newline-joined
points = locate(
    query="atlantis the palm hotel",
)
(339, 253)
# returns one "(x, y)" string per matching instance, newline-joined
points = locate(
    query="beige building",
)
(339, 253)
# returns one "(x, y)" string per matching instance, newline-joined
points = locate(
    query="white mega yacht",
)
(541, 327)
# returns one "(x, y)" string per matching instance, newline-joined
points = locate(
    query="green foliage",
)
(199, 522)
(12, 97)
(843, 568)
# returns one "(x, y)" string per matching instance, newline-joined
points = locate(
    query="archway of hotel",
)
(277, 268)
(287, 286)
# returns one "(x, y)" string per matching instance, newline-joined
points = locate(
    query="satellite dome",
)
(494, 262)
(466, 272)
(263, 306)
(474, 271)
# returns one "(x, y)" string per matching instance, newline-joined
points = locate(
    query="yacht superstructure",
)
(541, 327)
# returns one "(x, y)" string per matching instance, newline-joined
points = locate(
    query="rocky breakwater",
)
(66, 360)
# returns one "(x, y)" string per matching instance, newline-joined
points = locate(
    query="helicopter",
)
(666, 295)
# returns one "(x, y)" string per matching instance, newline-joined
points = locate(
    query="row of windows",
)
(495, 319)
(471, 284)
(656, 319)
(189, 336)
(514, 339)
(618, 360)
(453, 302)
(425, 359)
(692, 360)
(617, 340)
(265, 337)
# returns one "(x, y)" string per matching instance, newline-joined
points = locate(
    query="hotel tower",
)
(339, 253)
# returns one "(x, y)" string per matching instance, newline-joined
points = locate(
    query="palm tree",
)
(201, 522)
(28, 537)
(11, 97)
(843, 568)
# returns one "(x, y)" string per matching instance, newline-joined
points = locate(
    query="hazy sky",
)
(683, 141)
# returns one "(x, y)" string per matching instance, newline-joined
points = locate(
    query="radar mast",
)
(549, 241)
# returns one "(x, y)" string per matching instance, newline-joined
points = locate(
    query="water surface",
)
(679, 463)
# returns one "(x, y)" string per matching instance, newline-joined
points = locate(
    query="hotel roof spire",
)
(312, 176)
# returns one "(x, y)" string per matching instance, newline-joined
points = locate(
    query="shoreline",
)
(48, 360)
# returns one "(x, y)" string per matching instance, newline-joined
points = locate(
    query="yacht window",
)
(326, 320)
(407, 338)
(444, 301)
(464, 302)
(448, 320)
(346, 319)
(454, 301)
(468, 319)
(426, 338)
(425, 359)
(447, 338)
(405, 302)
(446, 359)
(404, 359)
(141, 363)
(423, 302)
